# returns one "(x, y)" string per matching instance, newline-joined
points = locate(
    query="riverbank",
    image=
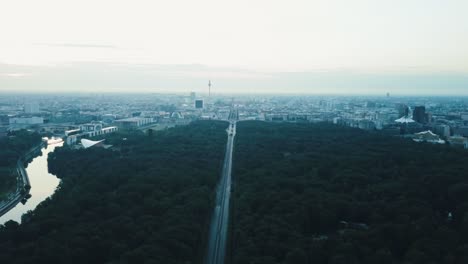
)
(14, 146)
(43, 184)
(23, 184)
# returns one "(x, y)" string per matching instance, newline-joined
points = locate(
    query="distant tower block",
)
(31, 108)
(388, 94)
(199, 104)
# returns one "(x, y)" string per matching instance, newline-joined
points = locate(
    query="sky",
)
(254, 46)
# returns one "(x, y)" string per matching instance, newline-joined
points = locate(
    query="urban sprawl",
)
(438, 120)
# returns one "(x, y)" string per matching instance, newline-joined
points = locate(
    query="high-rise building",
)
(403, 110)
(31, 108)
(442, 130)
(199, 104)
(419, 114)
(428, 118)
(192, 96)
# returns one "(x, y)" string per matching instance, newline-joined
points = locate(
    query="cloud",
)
(79, 45)
(13, 75)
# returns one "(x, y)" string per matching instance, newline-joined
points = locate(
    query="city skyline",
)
(104, 77)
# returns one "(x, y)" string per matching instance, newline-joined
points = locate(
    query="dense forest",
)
(11, 149)
(302, 193)
(147, 200)
(319, 193)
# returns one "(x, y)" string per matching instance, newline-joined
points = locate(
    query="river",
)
(43, 185)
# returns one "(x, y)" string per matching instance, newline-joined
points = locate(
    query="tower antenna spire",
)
(209, 88)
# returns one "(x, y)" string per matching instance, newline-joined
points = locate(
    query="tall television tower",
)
(209, 88)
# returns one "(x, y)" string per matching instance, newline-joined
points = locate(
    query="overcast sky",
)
(311, 46)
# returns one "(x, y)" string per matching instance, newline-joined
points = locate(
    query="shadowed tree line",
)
(11, 149)
(319, 193)
(148, 201)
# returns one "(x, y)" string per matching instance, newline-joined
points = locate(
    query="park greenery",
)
(320, 193)
(148, 199)
(12, 148)
(301, 193)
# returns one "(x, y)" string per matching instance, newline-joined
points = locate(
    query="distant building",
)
(71, 140)
(403, 110)
(34, 120)
(199, 104)
(366, 124)
(86, 143)
(72, 132)
(3, 131)
(408, 126)
(4, 120)
(442, 130)
(427, 136)
(294, 117)
(91, 127)
(56, 128)
(88, 130)
(458, 141)
(209, 116)
(461, 131)
(31, 108)
(133, 122)
(108, 118)
(404, 120)
(419, 114)
(370, 104)
(428, 118)
(276, 117)
(192, 96)
(177, 115)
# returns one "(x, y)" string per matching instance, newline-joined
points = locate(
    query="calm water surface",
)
(43, 185)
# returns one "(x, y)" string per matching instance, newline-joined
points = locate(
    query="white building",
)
(86, 143)
(404, 120)
(133, 122)
(88, 130)
(428, 136)
(91, 127)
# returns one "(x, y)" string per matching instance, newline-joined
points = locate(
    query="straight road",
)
(219, 223)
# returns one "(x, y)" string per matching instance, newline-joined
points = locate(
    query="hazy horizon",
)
(310, 47)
